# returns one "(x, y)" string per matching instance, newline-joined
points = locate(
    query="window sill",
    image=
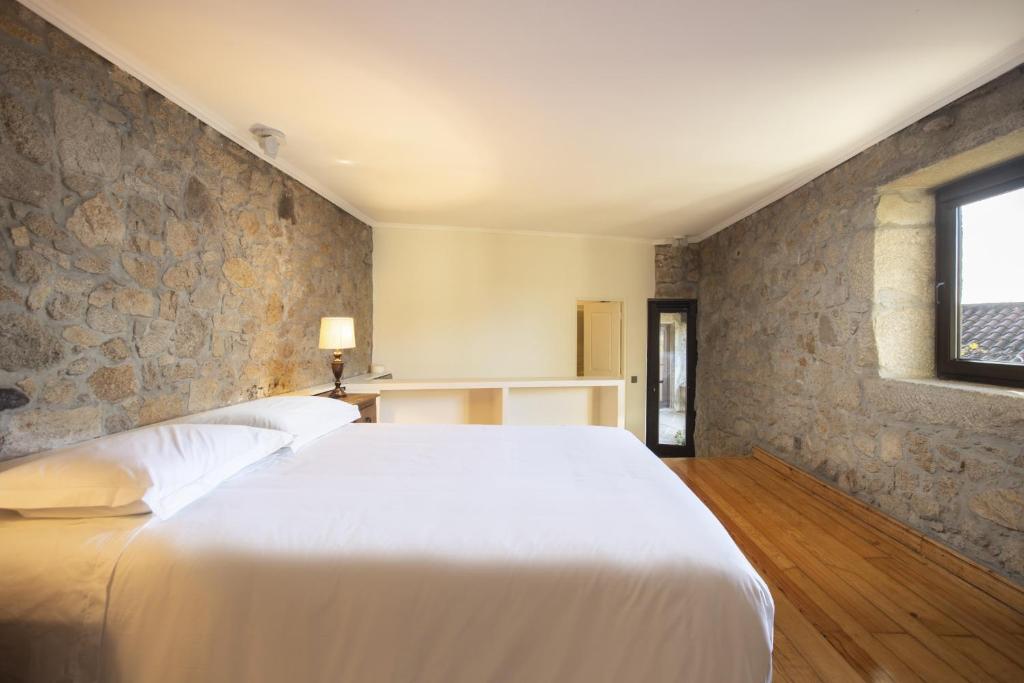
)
(1012, 393)
(977, 408)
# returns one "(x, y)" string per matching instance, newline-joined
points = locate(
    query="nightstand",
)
(367, 404)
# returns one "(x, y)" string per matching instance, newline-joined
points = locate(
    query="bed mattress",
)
(402, 553)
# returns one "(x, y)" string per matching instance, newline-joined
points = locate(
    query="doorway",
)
(599, 338)
(671, 376)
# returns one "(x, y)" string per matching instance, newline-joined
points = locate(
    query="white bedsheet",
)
(53, 593)
(433, 553)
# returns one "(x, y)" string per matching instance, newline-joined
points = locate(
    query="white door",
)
(602, 339)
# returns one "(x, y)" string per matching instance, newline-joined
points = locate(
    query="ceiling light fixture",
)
(269, 139)
(344, 162)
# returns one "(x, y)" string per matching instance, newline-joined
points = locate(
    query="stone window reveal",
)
(979, 244)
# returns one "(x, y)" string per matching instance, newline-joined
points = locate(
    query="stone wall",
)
(149, 266)
(794, 302)
(676, 270)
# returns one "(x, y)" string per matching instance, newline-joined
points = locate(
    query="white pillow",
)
(305, 417)
(160, 469)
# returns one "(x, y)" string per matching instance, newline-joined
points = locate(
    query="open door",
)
(671, 376)
(602, 339)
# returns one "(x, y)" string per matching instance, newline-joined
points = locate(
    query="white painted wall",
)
(472, 304)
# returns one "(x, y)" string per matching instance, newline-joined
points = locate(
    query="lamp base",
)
(337, 366)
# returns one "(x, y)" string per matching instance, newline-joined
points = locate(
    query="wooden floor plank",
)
(864, 612)
(994, 662)
(882, 544)
(812, 645)
(959, 605)
(833, 548)
(828, 547)
(851, 602)
(976, 602)
(790, 663)
(1009, 619)
(886, 666)
(918, 616)
(850, 637)
(983, 578)
(920, 658)
(850, 643)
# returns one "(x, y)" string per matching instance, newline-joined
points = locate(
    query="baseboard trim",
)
(979, 576)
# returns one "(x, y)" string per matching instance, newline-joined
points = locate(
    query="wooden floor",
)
(851, 603)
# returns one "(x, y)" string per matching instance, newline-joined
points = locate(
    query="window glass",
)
(991, 306)
(672, 379)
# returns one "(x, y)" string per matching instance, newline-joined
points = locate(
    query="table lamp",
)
(337, 334)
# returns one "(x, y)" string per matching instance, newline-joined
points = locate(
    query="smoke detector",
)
(269, 139)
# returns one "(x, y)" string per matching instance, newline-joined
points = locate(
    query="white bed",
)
(398, 553)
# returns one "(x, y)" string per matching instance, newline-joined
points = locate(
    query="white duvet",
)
(415, 553)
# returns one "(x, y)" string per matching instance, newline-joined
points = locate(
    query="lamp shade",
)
(337, 333)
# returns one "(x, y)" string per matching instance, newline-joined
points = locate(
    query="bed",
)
(398, 553)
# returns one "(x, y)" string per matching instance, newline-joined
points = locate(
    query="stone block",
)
(890, 447)
(20, 236)
(87, 143)
(105, 320)
(44, 428)
(93, 263)
(103, 295)
(162, 407)
(24, 131)
(179, 370)
(24, 181)
(66, 306)
(239, 273)
(905, 208)
(142, 270)
(11, 398)
(904, 267)
(144, 215)
(1003, 506)
(58, 392)
(905, 342)
(168, 305)
(83, 336)
(206, 296)
(198, 204)
(181, 238)
(31, 267)
(135, 302)
(115, 349)
(152, 337)
(182, 276)
(204, 394)
(25, 344)
(113, 383)
(191, 333)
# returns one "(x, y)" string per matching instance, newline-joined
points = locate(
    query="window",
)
(979, 291)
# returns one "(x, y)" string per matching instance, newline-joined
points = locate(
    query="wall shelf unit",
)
(535, 401)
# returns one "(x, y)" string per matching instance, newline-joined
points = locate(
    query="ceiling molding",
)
(532, 233)
(1009, 59)
(53, 12)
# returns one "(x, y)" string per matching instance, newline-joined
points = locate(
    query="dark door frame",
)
(654, 309)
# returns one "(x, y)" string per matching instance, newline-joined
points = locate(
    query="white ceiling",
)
(645, 118)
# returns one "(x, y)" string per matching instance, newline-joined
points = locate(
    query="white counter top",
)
(376, 386)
